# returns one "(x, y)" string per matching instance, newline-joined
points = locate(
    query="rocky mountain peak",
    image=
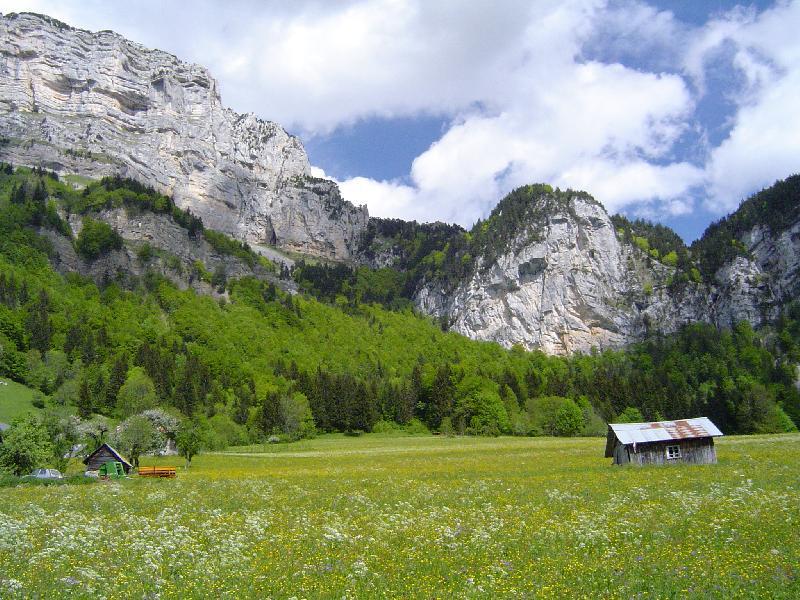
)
(552, 272)
(96, 104)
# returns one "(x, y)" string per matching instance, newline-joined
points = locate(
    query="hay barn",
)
(662, 442)
(104, 454)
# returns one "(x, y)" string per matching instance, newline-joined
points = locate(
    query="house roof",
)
(116, 455)
(660, 431)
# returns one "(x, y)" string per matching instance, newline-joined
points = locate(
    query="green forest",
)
(258, 362)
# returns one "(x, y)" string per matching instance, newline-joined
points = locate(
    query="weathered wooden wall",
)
(655, 453)
(103, 456)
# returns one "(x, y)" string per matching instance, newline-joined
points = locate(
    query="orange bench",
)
(158, 472)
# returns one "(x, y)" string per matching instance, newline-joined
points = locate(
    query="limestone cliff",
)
(565, 282)
(550, 272)
(96, 104)
(173, 254)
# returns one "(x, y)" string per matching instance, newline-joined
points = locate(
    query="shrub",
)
(670, 259)
(568, 419)
(384, 426)
(416, 427)
(145, 253)
(25, 447)
(226, 432)
(555, 415)
(630, 415)
(96, 238)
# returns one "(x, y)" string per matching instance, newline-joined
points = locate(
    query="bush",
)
(446, 427)
(96, 238)
(568, 420)
(25, 446)
(13, 480)
(478, 408)
(225, 432)
(555, 415)
(384, 426)
(630, 415)
(145, 253)
(416, 427)
(593, 423)
(775, 421)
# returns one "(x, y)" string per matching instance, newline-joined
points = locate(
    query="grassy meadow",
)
(417, 517)
(15, 400)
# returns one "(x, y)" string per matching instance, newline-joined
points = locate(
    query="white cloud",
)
(524, 102)
(764, 141)
(763, 146)
(386, 198)
(590, 126)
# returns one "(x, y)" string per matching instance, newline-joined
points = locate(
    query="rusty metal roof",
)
(661, 431)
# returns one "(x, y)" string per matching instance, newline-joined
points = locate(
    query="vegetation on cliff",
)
(776, 208)
(260, 362)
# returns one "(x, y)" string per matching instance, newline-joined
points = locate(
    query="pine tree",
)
(88, 348)
(18, 195)
(74, 339)
(84, 402)
(270, 415)
(38, 323)
(245, 398)
(416, 391)
(442, 393)
(119, 373)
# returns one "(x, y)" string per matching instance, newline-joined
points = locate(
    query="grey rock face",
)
(562, 290)
(175, 253)
(96, 104)
(573, 286)
(755, 288)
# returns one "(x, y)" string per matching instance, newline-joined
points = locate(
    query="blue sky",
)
(425, 110)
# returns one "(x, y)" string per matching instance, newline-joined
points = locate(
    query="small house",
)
(662, 442)
(104, 454)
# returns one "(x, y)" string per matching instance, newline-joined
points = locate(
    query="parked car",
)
(45, 474)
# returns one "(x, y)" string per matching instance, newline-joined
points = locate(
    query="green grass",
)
(77, 180)
(418, 517)
(15, 400)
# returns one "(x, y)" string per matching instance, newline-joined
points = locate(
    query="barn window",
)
(673, 452)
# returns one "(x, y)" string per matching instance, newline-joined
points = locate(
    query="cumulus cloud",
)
(560, 119)
(764, 142)
(586, 94)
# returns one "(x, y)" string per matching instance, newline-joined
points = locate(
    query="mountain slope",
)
(547, 270)
(551, 270)
(96, 104)
(555, 277)
(249, 360)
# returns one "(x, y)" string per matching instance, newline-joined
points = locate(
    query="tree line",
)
(262, 363)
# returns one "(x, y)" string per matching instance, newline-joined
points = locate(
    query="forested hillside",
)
(258, 361)
(776, 208)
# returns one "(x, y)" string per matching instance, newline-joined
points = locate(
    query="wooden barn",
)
(104, 454)
(662, 442)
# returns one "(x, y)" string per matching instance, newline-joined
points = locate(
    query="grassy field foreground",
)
(418, 517)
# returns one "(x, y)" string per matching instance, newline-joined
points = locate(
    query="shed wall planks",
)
(693, 451)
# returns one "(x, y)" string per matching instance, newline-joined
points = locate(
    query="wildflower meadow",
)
(417, 517)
